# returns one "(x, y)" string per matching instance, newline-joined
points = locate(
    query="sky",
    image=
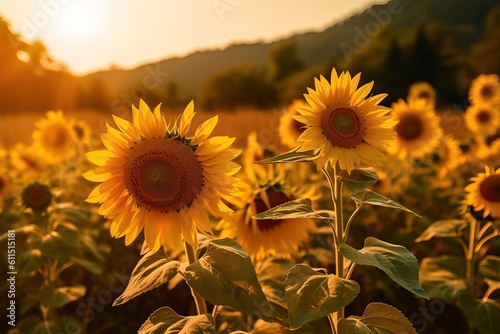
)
(89, 35)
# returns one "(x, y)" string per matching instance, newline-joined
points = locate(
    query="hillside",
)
(314, 48)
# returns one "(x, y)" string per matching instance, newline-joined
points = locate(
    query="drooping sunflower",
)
(54, 137)
(417, 130)
(422, 90)
(483, 194)
(347, 127)
(485, 89)
(483, 118)
(156, 178)
(289, 128)
(261, 238)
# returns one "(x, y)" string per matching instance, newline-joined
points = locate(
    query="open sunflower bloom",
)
(344, 124)
(153, 177)
(484, 192)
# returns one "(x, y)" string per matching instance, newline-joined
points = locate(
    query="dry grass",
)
(18, 128)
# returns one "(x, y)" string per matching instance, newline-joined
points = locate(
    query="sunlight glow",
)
(80, 19)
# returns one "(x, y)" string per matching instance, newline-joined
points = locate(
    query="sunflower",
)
(483, 194)
(485, 88)
(266, 237)
(54, 137)
(422, 90)
(82, 131)
(417, 128)
(155, 177)
(347, 127)
(383, 185)
(483, 118)
(449, 156)
(27, 161)
(5, 187)
(289, 128)
(485, 150)
(253, 153)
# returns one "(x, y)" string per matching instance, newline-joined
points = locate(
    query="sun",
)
(81, 19)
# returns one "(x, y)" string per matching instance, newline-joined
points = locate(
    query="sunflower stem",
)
(201, 306)
(338, 231)
(471, 254)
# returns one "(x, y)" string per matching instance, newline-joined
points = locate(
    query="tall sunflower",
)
(483, 194)
(483, 118)
(347, 127)
(154, 177)
(417, 130)
(485, 89)
(289, 128)
(54, 137)
(449, 156)
(261, 238)
(422, 90)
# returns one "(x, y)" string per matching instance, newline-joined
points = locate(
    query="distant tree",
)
(172, 94)
(244, 85)
(423, 60)
(285, 60)
(485, 56)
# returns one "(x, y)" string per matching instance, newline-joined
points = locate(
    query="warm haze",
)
(88, 35)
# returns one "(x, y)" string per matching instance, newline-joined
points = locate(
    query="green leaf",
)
(489, 267)
(443, 277)
(153, 270)
(352, 326)
(395, 260)
(19, 231)
(291, 156)
(443, 229)
(299, 208)
(28, 262)
(59, 245)
(224, 275)
(358, 180)
(386, 318)
(483, 314)
(165, 320)
(373, 198)
(92, 266)
(58, 297)
(311, 295)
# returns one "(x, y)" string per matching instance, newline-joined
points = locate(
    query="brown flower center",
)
(483, 116)
(486, 92)
(409, 127)
(163, 174)
(424, 95)
(2, 184)
(56, 136)
(79, 131)
(490, 188)
(36, 196)
(275, 198)
(342, 127)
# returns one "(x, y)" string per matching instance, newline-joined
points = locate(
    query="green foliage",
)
(299, 208)
(372, 198)
(285, 60)
(58, 297)
(165, 320)
(443, 277)
(291, 156)
(443, 228)
(152, 270)
(311, 295)
(358, 180)
(244, 85)
(395, 260)
(377, 318)
(224, 275)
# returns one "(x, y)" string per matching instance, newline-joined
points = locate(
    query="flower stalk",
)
(201, 306)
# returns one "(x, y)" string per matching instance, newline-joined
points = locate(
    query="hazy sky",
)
(88, 35)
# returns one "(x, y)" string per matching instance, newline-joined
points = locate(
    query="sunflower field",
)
(355, 218)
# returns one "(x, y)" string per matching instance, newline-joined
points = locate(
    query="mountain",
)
(315, 48)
